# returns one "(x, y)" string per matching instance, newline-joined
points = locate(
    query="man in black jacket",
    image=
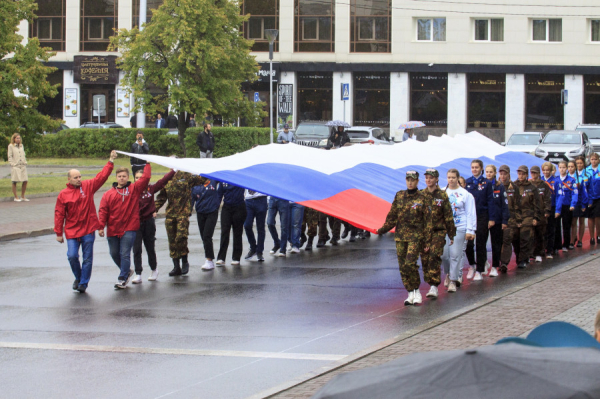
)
(139, 147)
(206, 142)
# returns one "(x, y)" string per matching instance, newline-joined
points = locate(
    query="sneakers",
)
(81, 288)
(219, 262)
(295, 250)
(579, 244)
(549, 256)
(571, 247)
(564, 249)
(137, 279)
(503, 268)
(235, 262)
(433, 292)
(494, 272)
(254, 258)
(522, 265)
(25, 199)
(121, 284)
(281, 254)
(272, 251)
(418, 298)
(411, 299)
(153, 275)
(447, 280)
(487, 268)
(452, 286)
(477, 277)
(17, 200)
(250, 254)
(75, 285)
(470, 273)
(209, 265)
(260, 257)
(538, 259)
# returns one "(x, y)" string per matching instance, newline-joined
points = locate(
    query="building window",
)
(429, 98)
(49, 26)
(547, 30)
(543, 106)
(595, 28)
(53, 107)
(591, 99)
(372, 99)
(150, 5)
(489, 30)
(264, 14)
(431, 29)
(98, 24)
(370, 26)
(314, 29)
(486, 100)
(315, 96)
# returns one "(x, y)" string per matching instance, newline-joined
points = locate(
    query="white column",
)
(342, 28)
(125, 13)
(338, 104)
(24, 31)
(286, 30)
(73, 20)
(457, 103)
(515, 104)
(399, 102)
(288, 77)
(574, 107)
(70, 120)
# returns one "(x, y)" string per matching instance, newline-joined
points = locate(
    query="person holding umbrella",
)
(338, 138)
(408, 129)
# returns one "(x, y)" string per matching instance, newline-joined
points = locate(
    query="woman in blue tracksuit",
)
(548, 175)
(577, 172)
(566, 200)
(592, 186)
(207, 200)
(500, 218)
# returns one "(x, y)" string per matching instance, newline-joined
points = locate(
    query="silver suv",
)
(593, 134)
(370, 135)
(564, 145)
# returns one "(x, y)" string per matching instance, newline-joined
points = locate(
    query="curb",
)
(281, 388)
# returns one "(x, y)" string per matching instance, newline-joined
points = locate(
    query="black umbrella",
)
(502, 371)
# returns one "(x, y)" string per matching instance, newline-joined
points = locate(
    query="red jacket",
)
(75, 210)
(147, 205)
(120, 207)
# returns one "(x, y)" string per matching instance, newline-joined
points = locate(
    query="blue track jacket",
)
(567, 194)
(482, 190)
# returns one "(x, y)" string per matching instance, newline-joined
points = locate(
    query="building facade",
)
(498, 68)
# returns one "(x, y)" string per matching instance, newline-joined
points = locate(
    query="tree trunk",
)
(181, 128)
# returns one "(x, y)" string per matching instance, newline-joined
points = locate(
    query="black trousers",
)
(206, 224)
(232, 217)
(146, 235)
(135, 168)
(566, 219)
(479, 247)
(496, 238)
(550, 232)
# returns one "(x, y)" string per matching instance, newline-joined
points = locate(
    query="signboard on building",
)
(95, 69)
(263, 72)
(285, 105)
(70, 103)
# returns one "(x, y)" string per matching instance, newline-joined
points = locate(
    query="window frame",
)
(43, 39)
(85, 28)
(373, 35)
(89, 25)
(317, 45)
(431, 30)
(547, 31)
(307, 39)
(489, 30)
(261, 44)
(592, 20)
(58, 45)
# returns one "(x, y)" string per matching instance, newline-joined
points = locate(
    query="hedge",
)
(97, 143)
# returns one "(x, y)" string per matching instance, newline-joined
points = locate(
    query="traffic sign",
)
(345, 91)
(256, 97)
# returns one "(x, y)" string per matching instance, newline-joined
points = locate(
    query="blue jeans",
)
(256, 208)
(83, 273)
(282, 207)
(295, 223)
(120, 252)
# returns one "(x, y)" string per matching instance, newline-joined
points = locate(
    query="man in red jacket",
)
(75, 216)
(120, 213)
(147, 232)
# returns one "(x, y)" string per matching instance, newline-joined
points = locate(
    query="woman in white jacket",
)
(465, 219)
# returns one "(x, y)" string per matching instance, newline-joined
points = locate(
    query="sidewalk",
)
(570, 293)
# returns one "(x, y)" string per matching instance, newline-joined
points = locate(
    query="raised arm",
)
(101, 177)
(159, 185)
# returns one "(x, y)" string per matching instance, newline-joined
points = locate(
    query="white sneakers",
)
(235, 262)
(538, 259)
(137, 279)
(487, 267)
(295, 250)
(411, 298)
(153, 276)
(209, 265)
(477, 277)
(280, 254)
(219, 262)
(452, 286)
(470, 273)
(433, 292)
(447, 280)
(418, 297)
(494, 272)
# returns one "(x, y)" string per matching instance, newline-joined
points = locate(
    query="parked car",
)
(524, 142)
(368, 135)
(314, 134)
(58, 129)
(96, 125)
(593, 134)
(564, 145)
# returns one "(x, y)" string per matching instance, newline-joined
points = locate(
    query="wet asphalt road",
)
(228, 333)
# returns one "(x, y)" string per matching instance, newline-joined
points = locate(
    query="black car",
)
(314, 134)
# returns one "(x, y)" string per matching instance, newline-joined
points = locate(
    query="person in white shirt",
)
(465, 219)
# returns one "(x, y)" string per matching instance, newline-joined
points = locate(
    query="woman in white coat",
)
(18, 166)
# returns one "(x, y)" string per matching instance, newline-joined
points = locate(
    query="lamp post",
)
(141, 115)
(271, 35)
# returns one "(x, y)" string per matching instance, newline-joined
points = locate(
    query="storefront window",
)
(150, 5)
(429, 98)
(315, 96)
(487, 99)
(264, 14)
(372, 99)
(370, 26)
(591, 100)
(53, 107)
(543, 106)
(98, 24)
(49, 26)
(314, 30)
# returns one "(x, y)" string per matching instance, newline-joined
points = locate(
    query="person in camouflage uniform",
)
(439, 222)
(335, 225)
(310, 221)
(178, 193)
(407, 215)
(545, 192)
(509, 232)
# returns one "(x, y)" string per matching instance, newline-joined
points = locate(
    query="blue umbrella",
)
(338, 123)
(411, 125)
(556, 334)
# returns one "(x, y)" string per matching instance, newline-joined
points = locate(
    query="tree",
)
(195, 51)
(23, 75)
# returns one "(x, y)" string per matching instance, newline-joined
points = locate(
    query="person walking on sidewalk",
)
(566, 201)
(206, 142)
(548, 171)
(233, 216)
(592, 187)
(311, 221)
(75, 217)
(120, 213)
(139, 147)
(510, 233)
(286, 136)
(529, 214)
(439, 222)
(281, 207)
(207, 198)
(539, 232)
(256, 209)
(407, 215)
(500, 220)
(177, 193)
(147, 231)
(18, 166)
(580, 212)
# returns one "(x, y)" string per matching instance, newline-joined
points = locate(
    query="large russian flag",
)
(356, 184)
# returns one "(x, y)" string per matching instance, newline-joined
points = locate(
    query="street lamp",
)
(141, 115)
(271, 35)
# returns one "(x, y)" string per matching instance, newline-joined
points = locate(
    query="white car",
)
(368, 135)
(524, 142)
(593, 134)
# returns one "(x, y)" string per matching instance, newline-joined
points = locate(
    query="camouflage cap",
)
(523, 168)
(413, 174)
(432, 172)
(535, 169)
(504, 168)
